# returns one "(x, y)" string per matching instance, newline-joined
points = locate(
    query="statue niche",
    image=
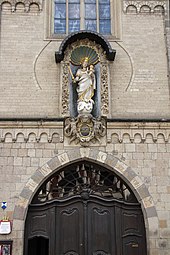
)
(84, 58)
(84, 88)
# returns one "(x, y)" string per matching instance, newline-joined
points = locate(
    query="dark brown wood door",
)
(93, 226)
(85, 227)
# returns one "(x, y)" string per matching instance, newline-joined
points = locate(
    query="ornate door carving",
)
(89, 227)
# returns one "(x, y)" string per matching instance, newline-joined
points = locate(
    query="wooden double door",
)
(85, 226)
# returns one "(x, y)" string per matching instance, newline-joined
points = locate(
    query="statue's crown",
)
(86, 59)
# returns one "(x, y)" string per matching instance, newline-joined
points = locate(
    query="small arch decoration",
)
(26, 4)
(149, 6)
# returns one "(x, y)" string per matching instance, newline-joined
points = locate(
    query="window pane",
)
(74, 11)
(60, 11)
(105, 27)
(91, 25)
(90, 10)
(59, 26)
(60, 1)
(104, 11)
(74, 25)
(90, 1)
(104, 1)
(73, 1)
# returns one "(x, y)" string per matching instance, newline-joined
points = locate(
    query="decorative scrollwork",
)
(71, 253)
(65, 90)
(100, 253)
(104, 89)
(85, 129)
(101, 211)
(70, 210)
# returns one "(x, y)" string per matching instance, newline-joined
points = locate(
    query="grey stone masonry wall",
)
(138, 152)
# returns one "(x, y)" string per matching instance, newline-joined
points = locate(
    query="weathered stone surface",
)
(63, 158)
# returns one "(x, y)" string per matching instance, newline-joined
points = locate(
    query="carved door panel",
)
(101, 229)
(130, 230)
(92, 226)
(85, 228)
(69, 229)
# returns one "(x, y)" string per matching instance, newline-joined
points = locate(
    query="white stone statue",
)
(85, 77)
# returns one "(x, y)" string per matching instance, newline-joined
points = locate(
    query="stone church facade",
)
(128, 133)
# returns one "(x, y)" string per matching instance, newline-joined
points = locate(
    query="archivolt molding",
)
(92, 155)
(26, 3)
(144, 6)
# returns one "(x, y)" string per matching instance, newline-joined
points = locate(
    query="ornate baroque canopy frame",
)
(85, 86)
(104, 79)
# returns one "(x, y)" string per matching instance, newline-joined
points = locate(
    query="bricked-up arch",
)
(92, 155)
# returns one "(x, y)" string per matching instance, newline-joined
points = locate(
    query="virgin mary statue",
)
(86, 81)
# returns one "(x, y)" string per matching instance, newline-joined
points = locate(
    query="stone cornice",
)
(138, 132)
(117, 132)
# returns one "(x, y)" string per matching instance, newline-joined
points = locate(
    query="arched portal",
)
(93, 155)
(84, 209)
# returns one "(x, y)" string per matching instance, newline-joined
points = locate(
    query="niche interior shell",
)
(83, 52)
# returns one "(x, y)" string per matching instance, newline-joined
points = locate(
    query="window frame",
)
(115, 13)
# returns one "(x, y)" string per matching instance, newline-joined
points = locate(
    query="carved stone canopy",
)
(83, 34)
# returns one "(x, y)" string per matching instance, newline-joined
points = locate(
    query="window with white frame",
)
(67, 16)
(75, 15)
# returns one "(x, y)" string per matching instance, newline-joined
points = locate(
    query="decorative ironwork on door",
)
(85, 180)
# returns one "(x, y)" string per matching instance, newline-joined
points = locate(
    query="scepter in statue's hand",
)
(72, 76)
